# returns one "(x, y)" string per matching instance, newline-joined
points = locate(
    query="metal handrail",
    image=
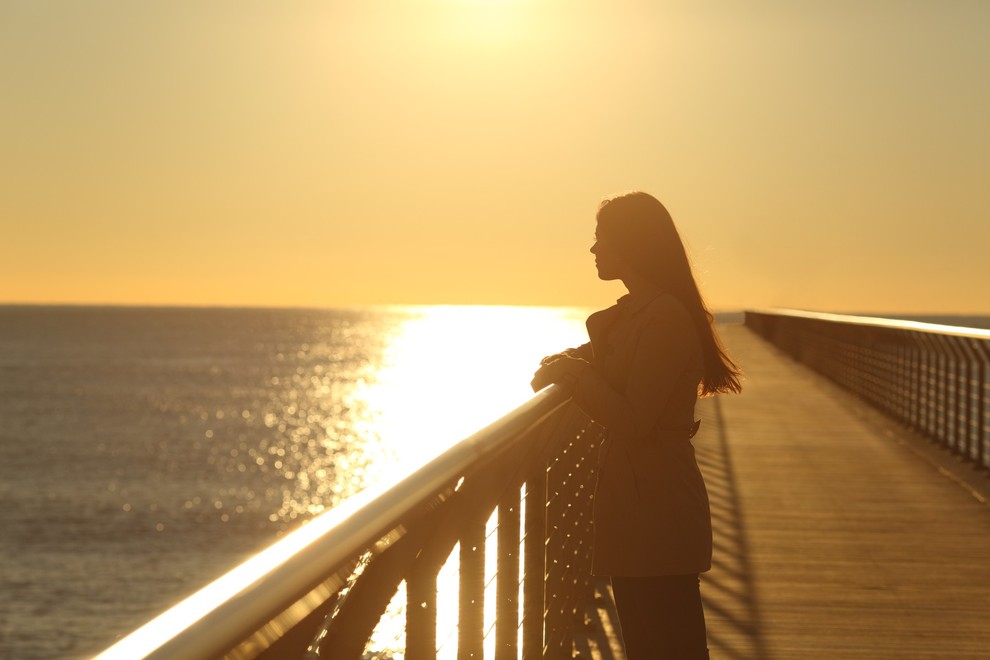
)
(876, 322)
(934, 378)
(245, 611)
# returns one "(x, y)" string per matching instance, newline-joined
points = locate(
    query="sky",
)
(824, 154)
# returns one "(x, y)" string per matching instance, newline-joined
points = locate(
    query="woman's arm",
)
(664, 349)
(561, 368)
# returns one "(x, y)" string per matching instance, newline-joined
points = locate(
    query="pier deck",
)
(838, 534)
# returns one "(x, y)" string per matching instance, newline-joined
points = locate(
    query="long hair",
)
(643, 234)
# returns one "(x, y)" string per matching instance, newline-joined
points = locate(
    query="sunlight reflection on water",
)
(445, 373)
(448, 371)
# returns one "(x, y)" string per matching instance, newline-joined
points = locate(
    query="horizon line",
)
(356, 306)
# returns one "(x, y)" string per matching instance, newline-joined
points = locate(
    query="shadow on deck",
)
(838, 533)
(729, 591)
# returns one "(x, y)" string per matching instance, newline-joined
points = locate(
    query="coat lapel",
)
(598, 325)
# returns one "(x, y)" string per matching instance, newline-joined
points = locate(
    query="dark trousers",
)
(661, 617)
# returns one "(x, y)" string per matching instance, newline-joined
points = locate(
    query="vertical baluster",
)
(856, 349)
(976, 393)
(952, 394)
(901, 384)
(471, 607)
(878, 368)
(910, 370)
(956, 404)
(929, 408)
(834, 355)
(849, 361)
(967, 410)
(874, 371)
(556, 515)
(912, 367)
(892, 367)
(938, 431)
(940, 392)
(916, 377)
(868, 365)
(421, 614)
(507, 588)
(881, 376)
(984, 393)
(534, 580)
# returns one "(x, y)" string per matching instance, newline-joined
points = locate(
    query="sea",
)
(145, 451)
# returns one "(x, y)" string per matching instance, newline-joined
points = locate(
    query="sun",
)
(489, 21)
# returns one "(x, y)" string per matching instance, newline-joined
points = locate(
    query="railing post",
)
(893, 394)
(984, 384)
(939, 387)
(534, 579)
(909, 360)
(421, 615)
(916, 380)
(969, 403)
(507, 588)
(471, 607)
(954, 374)
(929, 386)
(554, 605)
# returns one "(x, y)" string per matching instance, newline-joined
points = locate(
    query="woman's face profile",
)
(607, 261)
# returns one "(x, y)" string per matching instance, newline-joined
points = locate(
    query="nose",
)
(593, 247)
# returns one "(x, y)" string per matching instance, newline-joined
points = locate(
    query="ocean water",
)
(146, 451)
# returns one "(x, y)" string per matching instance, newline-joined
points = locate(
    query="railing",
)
(320, 592)
(934, 378)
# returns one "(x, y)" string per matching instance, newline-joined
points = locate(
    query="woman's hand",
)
(560, 369)
(567, 353)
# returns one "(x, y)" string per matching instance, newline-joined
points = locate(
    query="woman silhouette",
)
(650, 356)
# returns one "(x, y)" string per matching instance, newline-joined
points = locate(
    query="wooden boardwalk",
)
(837, 533)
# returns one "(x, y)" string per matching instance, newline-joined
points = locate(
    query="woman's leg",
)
(661, 617)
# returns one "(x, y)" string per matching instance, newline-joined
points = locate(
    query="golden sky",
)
(822, 154)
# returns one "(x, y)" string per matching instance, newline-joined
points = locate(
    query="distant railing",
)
(934, 378)
(320, 592)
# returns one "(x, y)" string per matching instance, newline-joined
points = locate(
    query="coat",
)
(651, 511)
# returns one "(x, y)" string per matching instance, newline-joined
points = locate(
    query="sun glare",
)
(451, 370)
(486, 20)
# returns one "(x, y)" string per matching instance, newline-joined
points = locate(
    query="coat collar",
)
(628, 305)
